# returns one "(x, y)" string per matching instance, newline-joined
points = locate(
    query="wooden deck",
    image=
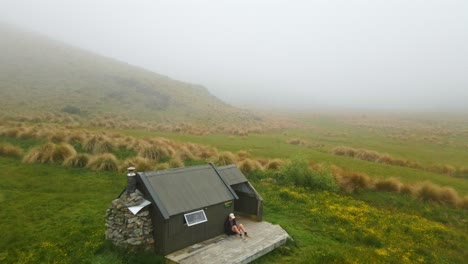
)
(263, 238)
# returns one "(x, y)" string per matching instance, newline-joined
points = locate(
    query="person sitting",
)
(232, 228)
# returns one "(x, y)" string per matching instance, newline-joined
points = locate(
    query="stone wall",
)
(126, 230)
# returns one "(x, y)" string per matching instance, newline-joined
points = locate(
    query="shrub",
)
(103, 162)
(226, 158)
(78, 160)
(10, 150)
(297, 171)
(388, 185)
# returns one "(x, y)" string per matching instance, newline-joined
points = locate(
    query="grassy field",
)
(55, 214)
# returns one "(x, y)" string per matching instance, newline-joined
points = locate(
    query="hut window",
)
(196, 217)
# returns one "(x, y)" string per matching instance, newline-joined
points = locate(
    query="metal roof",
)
(180, 190)
(232, 175)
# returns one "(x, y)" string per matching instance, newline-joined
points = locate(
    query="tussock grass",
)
(163, 166)
(154, 152)
(248, 165)
(79, 160)
(103, 162)
(433, 193)
(10, 150)
(49, 153)
(296, 141)
(226, 158)
(242, 155)
(388, 185)
(185, 154)
(98, 144)
(351, 182)
(176, 162)
(274, 165)
(140, 164)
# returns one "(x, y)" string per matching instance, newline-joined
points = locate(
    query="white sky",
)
(383, 54)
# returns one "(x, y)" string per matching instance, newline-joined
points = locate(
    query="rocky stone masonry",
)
(126, 230)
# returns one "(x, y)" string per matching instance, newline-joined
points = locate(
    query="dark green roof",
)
(186, 189)
(232, 175)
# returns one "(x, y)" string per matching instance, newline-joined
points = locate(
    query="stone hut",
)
(168, 210)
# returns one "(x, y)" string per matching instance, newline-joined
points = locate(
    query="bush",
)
(103, 162)
(10, 150)
(297, 171)
(354, 182)
(433, 193)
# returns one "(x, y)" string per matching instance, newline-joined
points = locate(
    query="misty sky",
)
(384, 54)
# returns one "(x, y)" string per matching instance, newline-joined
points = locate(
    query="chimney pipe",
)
(131, 180)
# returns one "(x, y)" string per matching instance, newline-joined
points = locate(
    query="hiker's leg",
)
(235, 229)
(242, 228)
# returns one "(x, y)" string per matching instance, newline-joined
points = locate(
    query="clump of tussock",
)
(207, 153)
(98, 144)
(433, 193)
(185, 154)
(296, 141)
(10, 150)
(140, 164)
(163, 166)
(388, 185)
(463, 203)
(242, 155)
(368, 155)
(79, 160)
(408, 189)
(49, 153)
(76, 138)
(274, 165)
(226, 158)
(344, 151)
(248, 165)
(351, 182)
(154, 152)
(28, 133)
(103, 162)
(443, 169)
(57, 136)
(176, 162)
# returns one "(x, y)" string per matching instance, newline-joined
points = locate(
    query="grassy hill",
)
(39, 75)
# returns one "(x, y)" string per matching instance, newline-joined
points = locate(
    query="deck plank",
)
(263, 238)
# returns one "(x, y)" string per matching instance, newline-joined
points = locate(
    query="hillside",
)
(39, 75)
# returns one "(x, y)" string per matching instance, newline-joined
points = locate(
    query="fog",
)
(375, 54)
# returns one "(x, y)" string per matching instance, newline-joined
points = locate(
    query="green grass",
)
(330, 228)
(55, 214)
